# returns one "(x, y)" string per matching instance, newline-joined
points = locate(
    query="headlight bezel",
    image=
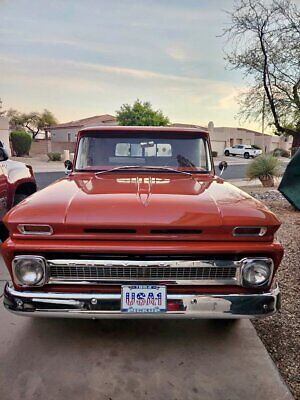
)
(24, 229)
(42, 263)
(246, 264)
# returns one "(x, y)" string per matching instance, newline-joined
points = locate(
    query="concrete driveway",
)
(87, 360)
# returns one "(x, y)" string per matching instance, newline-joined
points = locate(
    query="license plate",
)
(143, 299)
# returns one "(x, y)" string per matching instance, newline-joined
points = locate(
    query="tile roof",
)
(91, 121)
(179, 125)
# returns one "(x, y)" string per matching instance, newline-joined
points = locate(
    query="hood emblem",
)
(144, 190)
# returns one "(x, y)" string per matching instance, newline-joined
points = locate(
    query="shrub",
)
(280, 153)
(264, 167)
(54, 156)
(21, 143)
(214, 153)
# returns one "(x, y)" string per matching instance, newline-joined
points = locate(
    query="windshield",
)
(188, 152)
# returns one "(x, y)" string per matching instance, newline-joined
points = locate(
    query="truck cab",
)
(244, 150)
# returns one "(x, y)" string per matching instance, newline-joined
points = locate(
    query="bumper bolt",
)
(19, 303)
(94, 302)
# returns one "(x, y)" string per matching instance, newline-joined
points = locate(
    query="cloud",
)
(178, 53)
(67, 83)
(74, 89)
(86, 74)
(66, 64)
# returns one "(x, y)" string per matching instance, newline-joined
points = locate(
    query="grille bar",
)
(180, 272)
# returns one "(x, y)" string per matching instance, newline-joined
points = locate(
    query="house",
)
(222, 137)
(64, 136)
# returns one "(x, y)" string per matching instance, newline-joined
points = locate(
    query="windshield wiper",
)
(142, 167)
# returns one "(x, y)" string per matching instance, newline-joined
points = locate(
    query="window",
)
(69, 137)
(187, 151)
(143, 149)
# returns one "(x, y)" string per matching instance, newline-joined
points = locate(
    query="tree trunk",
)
(267, 181)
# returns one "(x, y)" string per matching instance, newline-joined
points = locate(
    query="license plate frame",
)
(143, 299)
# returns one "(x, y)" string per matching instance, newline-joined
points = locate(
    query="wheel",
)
(3, 233)
(246, 155)
(19, 197)
(227, 154)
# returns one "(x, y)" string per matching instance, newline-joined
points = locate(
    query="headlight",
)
(256, 271)
(29, 270)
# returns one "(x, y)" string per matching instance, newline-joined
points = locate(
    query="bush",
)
(21, 143)
(214, 153)
(280, 153)
(54, 156)
(264, 167)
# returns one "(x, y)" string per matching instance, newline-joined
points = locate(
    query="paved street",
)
(45, 178)
(236, 170)
(54, 359)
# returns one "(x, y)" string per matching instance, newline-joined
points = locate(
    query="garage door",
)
(218, 146)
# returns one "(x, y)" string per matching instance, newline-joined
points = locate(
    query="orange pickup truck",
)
(141, 227)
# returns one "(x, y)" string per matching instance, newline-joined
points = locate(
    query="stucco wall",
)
(64, 135)
(225, 137)
(59, 147)
(39, 147)
(4, 133)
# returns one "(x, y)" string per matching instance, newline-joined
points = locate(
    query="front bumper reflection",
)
(105, 305)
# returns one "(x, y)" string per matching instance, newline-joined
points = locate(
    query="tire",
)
(19, 197)
(233, 155)
(246, 155)
(3, 232)
(227, 154)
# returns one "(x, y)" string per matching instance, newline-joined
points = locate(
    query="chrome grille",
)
(184, 272)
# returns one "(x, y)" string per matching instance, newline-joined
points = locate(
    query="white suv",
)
(242, 150)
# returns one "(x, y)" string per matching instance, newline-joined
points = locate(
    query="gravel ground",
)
(281, 332)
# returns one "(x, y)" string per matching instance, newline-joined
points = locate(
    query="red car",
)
(142, 227)
(16, 183)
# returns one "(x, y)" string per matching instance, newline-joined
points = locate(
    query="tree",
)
(33, 122)
(141, 114)
(21, 142)
(2, 112)
(264, 39)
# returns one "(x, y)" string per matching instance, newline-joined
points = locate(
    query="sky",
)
(80, 58)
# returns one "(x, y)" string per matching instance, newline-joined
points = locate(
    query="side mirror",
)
(68, 167)
(222, 166)
(3, 154)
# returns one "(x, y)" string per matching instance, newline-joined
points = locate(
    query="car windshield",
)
(102, 151)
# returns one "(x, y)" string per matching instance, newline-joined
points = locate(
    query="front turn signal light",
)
(249, 231)
(35, 229)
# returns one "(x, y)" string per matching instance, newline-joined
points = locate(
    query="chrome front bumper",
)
(105, 305)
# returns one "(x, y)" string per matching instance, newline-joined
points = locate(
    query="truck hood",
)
(144, 206)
